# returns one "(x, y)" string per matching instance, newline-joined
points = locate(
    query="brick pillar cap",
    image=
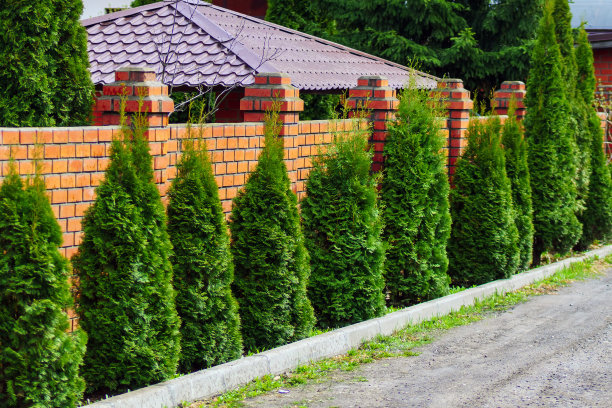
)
(513, 83)
(372, 77)
(272, 74)
(450, 80)
(130, 68)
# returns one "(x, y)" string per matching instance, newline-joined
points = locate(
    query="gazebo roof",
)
(193, 43)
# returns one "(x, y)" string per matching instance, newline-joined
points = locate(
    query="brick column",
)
(375, 96)
(136, 84)
(458, 104)
(502, 97)
(268, 88)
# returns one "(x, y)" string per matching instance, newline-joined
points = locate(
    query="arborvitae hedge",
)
(415, 203)
(342, 228)
(126, 299)
(202, 263)
(517, 169)
(550, 148)
(483, 244)
(597, 216)
(39, 360)
(271, 262)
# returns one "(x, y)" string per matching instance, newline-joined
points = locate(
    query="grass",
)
(404, 342)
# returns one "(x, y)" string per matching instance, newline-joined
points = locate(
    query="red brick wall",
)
(603, 65)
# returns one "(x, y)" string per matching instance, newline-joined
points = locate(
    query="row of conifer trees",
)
(161, 292)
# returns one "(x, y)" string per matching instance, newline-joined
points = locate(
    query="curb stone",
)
(217, 380)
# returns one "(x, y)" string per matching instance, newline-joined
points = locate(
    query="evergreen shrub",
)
(597, 217)
(415, 204)
(517, 170)
(126, 299)
(484, 240)
(270, 259)
(342, 229)
(39, 359)
(202, 264)
(551, 148)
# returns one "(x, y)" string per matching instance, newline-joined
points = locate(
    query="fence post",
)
(259, 97)
(502, 97)
(373, 94)
(458, 105)
(142, 92)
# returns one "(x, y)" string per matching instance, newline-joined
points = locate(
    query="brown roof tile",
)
(202, 44)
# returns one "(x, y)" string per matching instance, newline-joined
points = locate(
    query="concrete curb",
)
(217, 380)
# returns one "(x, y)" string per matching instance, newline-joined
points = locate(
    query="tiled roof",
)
(202, 44)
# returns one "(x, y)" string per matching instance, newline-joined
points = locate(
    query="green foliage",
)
(597, 216)
(202, 263)
(517, 170)
(43, 64)
(319, 106)
(483, 244)
(342, 229)
(415, 201)
(39, 360)
(482, 42)
(126, 299)
(551, 148)
(271, 262)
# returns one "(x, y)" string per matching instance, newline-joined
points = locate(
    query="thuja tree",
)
(550, 148)
(597, 216)
(202, 263)
(43, 64)
(483, 243)
(577, 124)
(126, 299)
(342, 227)
(415, 203)
(39, 360)
(517, 169)
(271, 262)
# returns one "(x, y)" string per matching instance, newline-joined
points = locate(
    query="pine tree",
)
(597, 217)
(550, 148)
(271, 262)
(126, 299)
(517, 169)
(483, 244)
(202, 264)
(43, 64)
(342, 229)
(39, 360)
(415, 201)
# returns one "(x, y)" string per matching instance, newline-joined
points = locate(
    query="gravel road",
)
(553, 351)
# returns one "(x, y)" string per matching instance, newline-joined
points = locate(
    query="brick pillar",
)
(374, 95)
(268, 88)
(502, 97)
(458, 104)
(135, 83)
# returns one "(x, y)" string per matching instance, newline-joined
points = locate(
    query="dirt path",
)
(553, 351)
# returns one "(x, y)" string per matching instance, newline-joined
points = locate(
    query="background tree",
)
(271, 262)
(202, 263)
(517, 169)
(125, 298)
(39, 360)
(550, 148)
(597, 218)
(43, 64)
(342, 228)
(415, 202)
(483, 244)
(480, 41)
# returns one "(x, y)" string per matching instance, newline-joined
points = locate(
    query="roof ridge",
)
(312, 37)
(258, 64)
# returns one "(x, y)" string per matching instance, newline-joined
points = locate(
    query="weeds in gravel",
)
(404, 342)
